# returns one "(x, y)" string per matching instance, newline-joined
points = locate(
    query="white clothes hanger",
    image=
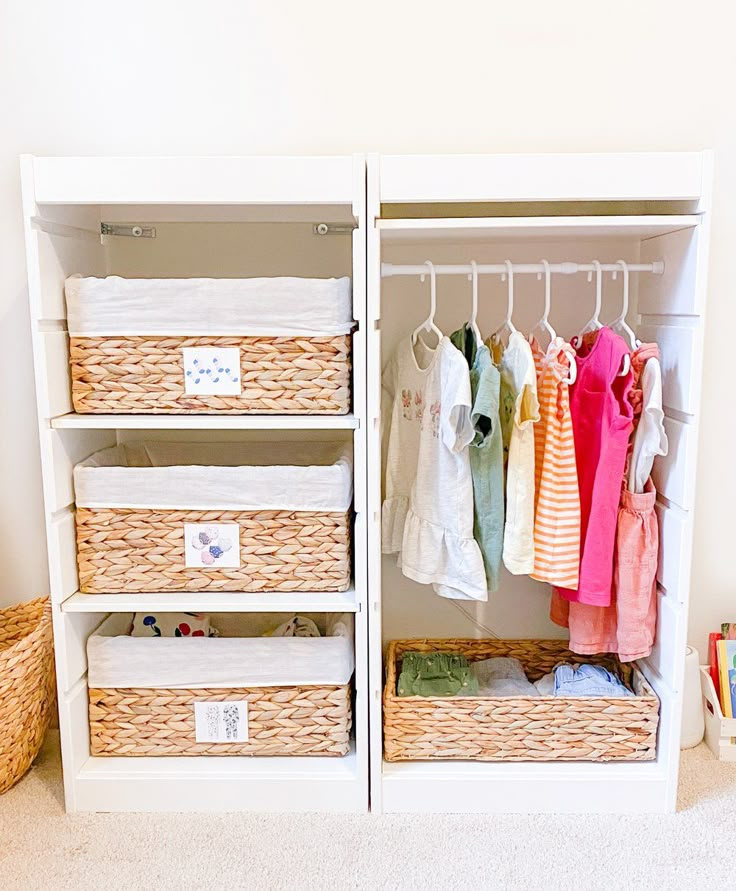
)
(428, 324)
(543, 324)
(593, 324)
(620, 323)
(507, 323)
(474, 312)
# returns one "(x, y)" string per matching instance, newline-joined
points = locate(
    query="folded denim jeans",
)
(588, 680)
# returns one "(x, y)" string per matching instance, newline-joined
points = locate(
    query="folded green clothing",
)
(436, 674)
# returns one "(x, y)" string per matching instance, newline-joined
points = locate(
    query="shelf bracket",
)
(332, 228)
(132, 230)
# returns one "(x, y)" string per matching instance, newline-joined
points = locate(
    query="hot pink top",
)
(602, 422)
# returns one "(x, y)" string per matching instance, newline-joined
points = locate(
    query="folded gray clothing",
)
(546, 685)
(502, 676)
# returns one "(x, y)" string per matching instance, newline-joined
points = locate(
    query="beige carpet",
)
(43, 848)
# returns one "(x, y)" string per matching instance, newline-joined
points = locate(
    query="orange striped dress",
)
(556, 496)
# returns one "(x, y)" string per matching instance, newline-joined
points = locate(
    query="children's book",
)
(713, 639)
(728, 630)
(727, 666)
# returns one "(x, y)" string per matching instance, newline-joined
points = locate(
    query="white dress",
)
(650, 438)
(520, 411)
(427, 516)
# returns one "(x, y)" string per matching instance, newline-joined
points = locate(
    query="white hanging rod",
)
(389, 269)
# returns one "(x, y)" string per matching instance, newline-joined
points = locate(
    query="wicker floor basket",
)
(418, 728)
(287, 375)
(121, 550)
(26, 685)
(281, 721)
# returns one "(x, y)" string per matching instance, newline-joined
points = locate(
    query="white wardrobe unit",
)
(640, 208)
(219, 217)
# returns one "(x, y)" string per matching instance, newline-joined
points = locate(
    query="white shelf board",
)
(215, 602)
(211, 784)
(524, 787)
(313, 180)
(484, 228)
(204, 422)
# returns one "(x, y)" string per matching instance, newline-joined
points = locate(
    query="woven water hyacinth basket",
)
(309, 720)
(131, 550)
(286, 375)
(26, 685)
(418, 728)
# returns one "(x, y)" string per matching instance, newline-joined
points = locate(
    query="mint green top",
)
(486, 452)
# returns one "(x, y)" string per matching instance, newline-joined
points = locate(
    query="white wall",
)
(243, 77)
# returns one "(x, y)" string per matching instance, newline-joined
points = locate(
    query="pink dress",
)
(628, 626)
(602, 420)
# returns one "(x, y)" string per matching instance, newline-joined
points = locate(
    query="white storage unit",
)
(236, 217)
(196, 217)
(642, 208)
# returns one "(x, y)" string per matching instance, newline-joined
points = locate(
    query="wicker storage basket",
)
(418, 728)
(282, 719)
(135, 345)
(135, 524)
(26, 685)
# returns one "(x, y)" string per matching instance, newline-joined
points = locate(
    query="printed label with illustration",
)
(212, 545)
(221, 722)
(212, 371)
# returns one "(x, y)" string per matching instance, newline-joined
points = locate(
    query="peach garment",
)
(557, 497)
(628, 626)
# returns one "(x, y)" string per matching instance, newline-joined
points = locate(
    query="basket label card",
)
(212, 546)
(221, 722)
(212, 371)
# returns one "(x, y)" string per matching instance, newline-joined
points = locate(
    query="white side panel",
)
(671, 473)
(68, 448)
(672, 293)
(564, 177)
(226, 180)
(74, 734)
(60, 257)
(73, 657)
(670, 715)
(680, 385)
(62, 549)
(360, 476)
(666, 654)
(373, 432)
(55, 393)
(675, 531)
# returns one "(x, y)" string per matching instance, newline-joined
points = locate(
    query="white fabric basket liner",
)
(278, 307)
(310, 476)
(115, 659)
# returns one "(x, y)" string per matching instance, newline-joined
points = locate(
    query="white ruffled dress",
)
(427, 516)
